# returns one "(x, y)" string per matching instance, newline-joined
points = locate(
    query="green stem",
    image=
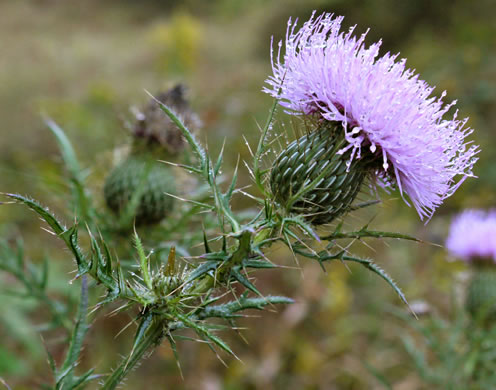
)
(152, 337)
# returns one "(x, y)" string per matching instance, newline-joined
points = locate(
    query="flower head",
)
(473, 235)
(156, 128)
(383, 107)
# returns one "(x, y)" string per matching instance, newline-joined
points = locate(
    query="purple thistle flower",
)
(473, 235)
(384, 108)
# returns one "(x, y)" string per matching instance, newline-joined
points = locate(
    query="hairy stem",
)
(152, 337)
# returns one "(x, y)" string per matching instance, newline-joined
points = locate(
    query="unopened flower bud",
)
(327, 178)
(143, 177)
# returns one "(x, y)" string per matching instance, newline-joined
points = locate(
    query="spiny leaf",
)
(362, 205)
(237, 275)
(51, 360)
(66, 149)
(383, 274)
(70, 237)
(301, 224)
(145, 324)
(233, 184)
(205, 242)
(228, 309)
(251, 263)
(190, 138)
(364, 232)
(100, 266)
(174, 351)
(218, 164)
(261, 150)
(85, 378)
(143, 261)
(108, 256)
(369, 264)
(204, 332)
(82, 199)
(41, 211)
(215, 256)
(202, 270)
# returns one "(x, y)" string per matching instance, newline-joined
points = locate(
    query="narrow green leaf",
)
(261, 148)
(108, 256)
(362, 205)
(227, 310)
(41, 211)
(237, 275)
(145, 324)
(51, 360)
(84, 379)
(232, 187)
(204, 332)
(100, 266)
(205, 242)
(70, 237)
(251, 263)
(364, 233)
(190, 138)
(81, 197)
(66, 149)
(143, 261)
(369, 264)
(218, 164)
(174, 351)
(202, 270)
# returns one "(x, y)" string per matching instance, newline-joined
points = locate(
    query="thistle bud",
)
(148, 180)
(481, 294)
(141, 178)
(315, 167)
(155, 129)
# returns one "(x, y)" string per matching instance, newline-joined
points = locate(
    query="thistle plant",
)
(472, 238)
(449, 351)
(458, 351)
(339, 87)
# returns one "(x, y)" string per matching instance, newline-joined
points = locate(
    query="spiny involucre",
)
(383, 107)
(472, 236)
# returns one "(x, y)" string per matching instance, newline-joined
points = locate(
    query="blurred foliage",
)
(86, 63)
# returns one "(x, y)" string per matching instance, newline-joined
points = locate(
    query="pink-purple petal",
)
(331, 73)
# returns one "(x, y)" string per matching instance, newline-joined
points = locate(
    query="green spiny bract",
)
(140, 186)
(312, 179)
(481, 294)
(136, 189)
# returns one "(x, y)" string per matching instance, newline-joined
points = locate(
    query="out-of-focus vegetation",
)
(86, 63)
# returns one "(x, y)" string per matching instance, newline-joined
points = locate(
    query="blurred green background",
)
(85, 63)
